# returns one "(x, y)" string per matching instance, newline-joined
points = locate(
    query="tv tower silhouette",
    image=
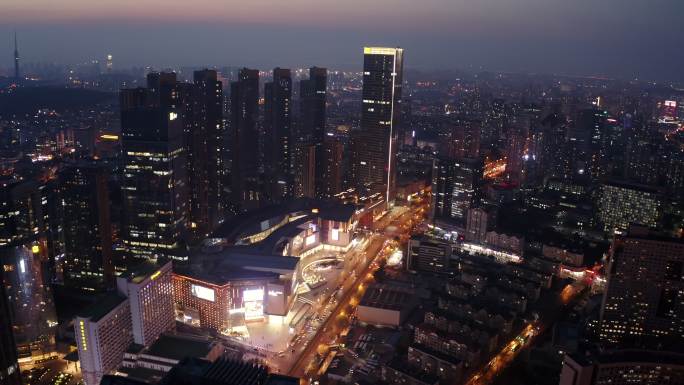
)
(16, 57)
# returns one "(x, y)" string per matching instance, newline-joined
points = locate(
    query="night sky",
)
(622, 38)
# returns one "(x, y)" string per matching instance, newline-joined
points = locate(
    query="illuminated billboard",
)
(202, 292)
(253, 300)
(310, 240)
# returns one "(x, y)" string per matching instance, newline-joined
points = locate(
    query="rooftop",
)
(141, 271)
(176, 347)
(102, 307)
(386, 297)
(400, 365)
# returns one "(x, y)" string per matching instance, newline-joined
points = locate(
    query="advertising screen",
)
(253, 300)
(202, 292)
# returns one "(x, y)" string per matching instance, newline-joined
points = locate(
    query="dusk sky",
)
(625, 38)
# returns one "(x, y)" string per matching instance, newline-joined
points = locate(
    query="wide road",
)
(380, 248)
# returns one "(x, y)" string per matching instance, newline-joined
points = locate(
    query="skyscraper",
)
(621, 204)
(305, 171)
(329, 182)
(312, 120)
(642, 302)
(9, 366)
(24, 232)
(149, 289)
(278, 135)
(202, 104)
(454, 188)
(86, 225)
(244, 102)
(154, 181)
(375, 144)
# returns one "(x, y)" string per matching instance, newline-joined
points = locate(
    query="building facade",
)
(375, 144)
(244, 106)
(278, 146)
(621, 204)
(642, 302)
(103, 333)
(149, 290)
(9, 365)
(86, 226)
(154, 184)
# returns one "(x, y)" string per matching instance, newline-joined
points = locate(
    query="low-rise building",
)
(428, 255)
(400, 372)
(623, 367)
(151, 364)
(387, 305)
(447, 368)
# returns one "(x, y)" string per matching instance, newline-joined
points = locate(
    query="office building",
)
(427, 255)
(202, 103)
(278, 135)
(154, 183)
(480, 220)
(642, 302)
(149, 290)
(86, 225)
(103, 333)
(454, 188)
(621, 204)
(330, 182)
(463, 139)
(623, 367)
(9, 365)
(24, 257)
(305, 171)
(135, 315)
(374, 146)
(244, 106)
(313, 95)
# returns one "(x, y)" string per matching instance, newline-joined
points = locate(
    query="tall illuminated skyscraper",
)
(154, 182)
(244, 105)
(278, 135)
(202, 104)
(375, 144)
(86, 225)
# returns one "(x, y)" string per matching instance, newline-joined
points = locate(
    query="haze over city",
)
(614, 38)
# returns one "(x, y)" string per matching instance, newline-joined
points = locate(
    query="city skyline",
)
(445, 192)
(607, 39)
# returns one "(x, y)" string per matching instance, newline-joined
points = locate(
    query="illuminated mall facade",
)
(249, 270)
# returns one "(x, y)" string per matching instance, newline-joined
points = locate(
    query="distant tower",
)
(16, 57)
(110, 64)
